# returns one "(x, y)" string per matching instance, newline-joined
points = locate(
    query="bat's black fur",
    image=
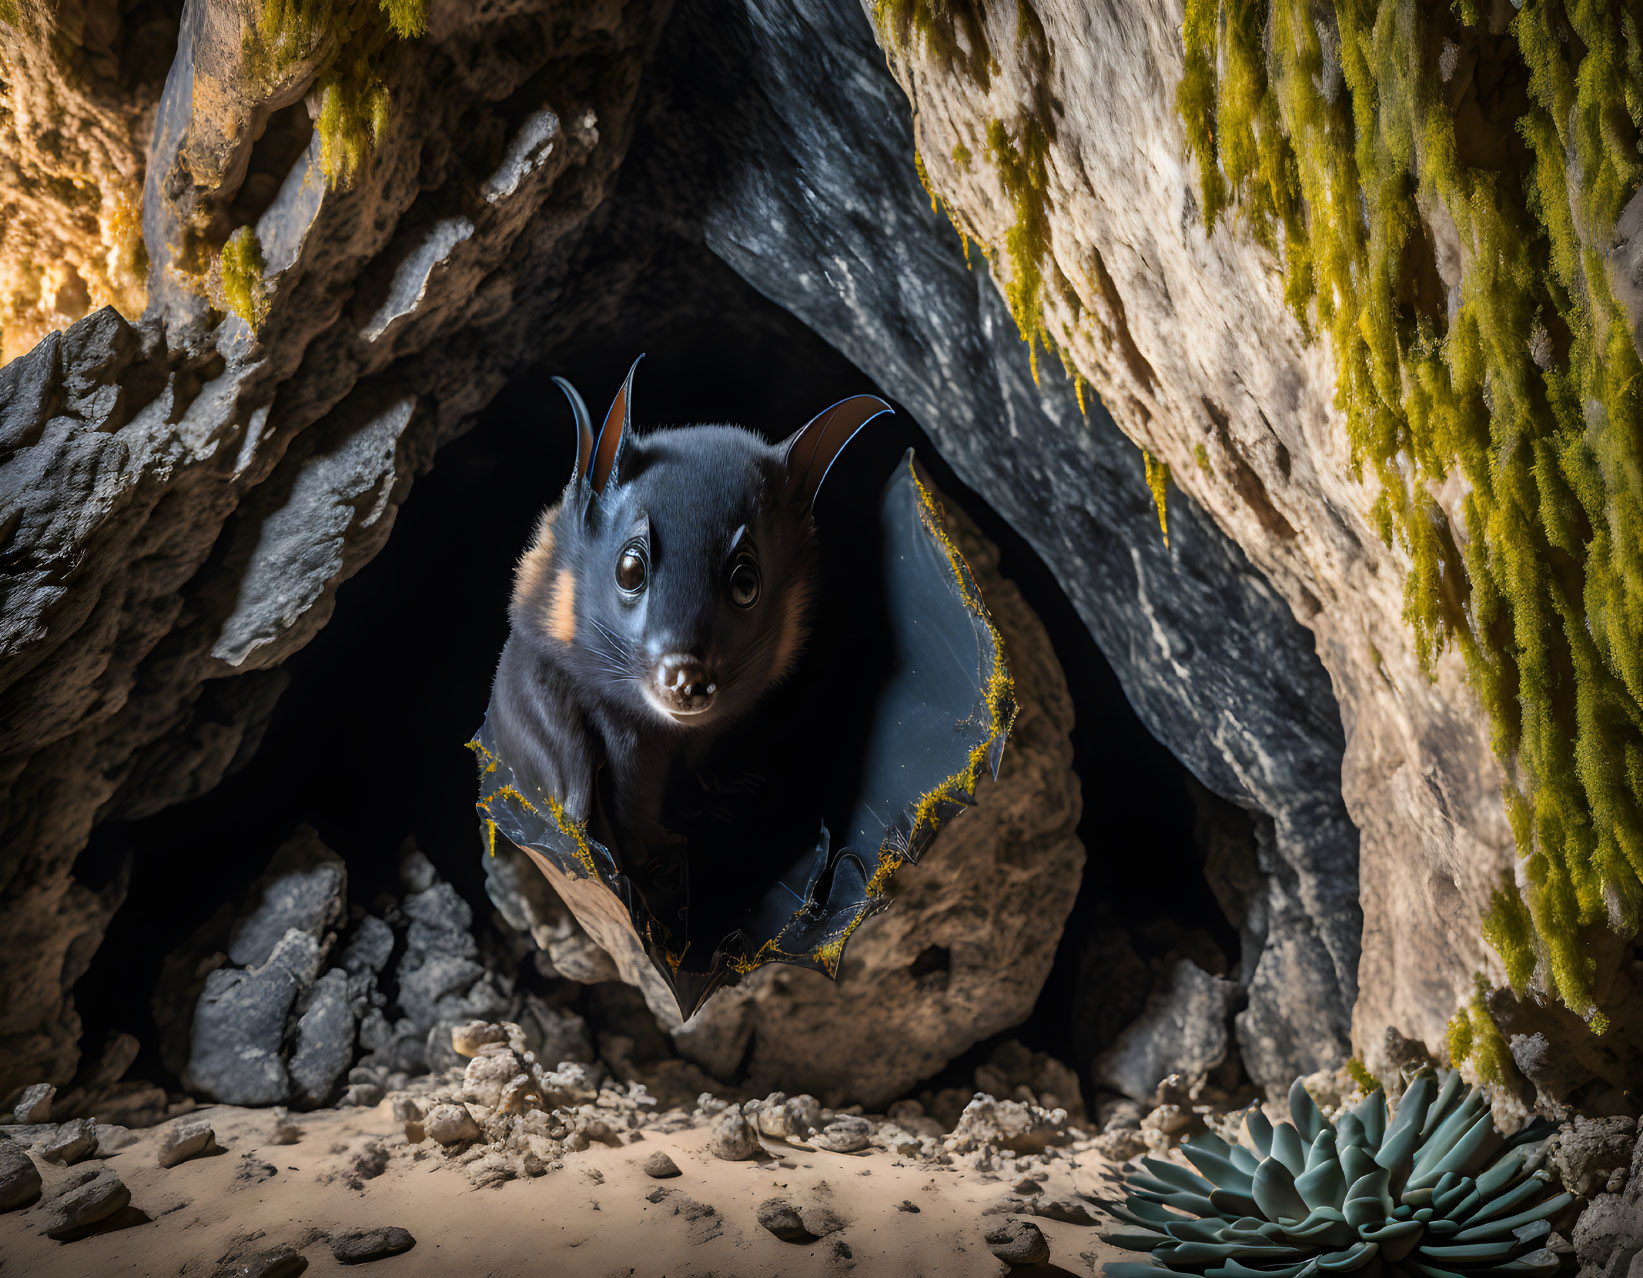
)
(665, 593)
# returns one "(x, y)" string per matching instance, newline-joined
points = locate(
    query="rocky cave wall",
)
(1051, 136)
(183, 497)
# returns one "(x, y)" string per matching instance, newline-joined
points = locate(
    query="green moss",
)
(1531, 388)
(953, 32)
(407, 18)
(1022, 164)
(349, 38)
(1366, 1081)
(1474, 1036)
(1158, 486)
(240, 267)
(10, 14)
(1200, 454)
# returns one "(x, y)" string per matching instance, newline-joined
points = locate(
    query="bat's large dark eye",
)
(744, 582)
(631, 568)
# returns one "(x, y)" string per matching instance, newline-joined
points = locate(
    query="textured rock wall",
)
(789, 140)
(1189, 343)
(79, 80)
(180, 499)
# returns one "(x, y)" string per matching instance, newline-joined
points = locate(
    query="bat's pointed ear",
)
(810, 452)
(607, 452)
(584, 427)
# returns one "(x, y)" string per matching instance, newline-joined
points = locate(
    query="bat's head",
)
(678, 568)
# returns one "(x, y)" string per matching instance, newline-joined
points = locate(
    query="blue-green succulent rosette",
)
(1432, 1189)
(917, 736)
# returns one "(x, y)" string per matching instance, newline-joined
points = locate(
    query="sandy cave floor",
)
(598, 1215)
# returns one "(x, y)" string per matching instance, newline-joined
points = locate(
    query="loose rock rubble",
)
(507, 1115)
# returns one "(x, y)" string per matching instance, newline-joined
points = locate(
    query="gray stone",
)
(324, 1041)
(186, 1138)
(1182, 1029)
(239, 1025)
(82, 1202)
(1588, 1151)
(368, 948)
(304, 887)
(34, 1106)
(733, 1138)
(19, 1177)
(359, 1246)
(73, 1142)
(660, 1167)
(1018, 1242)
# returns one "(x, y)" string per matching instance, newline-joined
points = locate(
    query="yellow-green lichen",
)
(1200, 454)
(349, 40)
(1473, 1036)
(1367, 1082)
(1366, 143)
(953, 31)
(961, 157)
(1158, 486)
(240, 267)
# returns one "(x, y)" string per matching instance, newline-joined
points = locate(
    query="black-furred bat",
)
(664, 594)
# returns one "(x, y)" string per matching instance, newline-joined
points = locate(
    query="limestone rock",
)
(184, 1139)
(34, 1105)
(733, 1138)
(1182, 1029)
(304, 887)
(324, 1041)
(239, 1025)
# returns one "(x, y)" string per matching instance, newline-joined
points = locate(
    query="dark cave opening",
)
(398, 681)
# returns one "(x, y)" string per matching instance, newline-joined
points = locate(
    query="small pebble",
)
(660, 1167)
(34, 1106)
(90, 1197)
(781, 1218)
(186, 1138)
(361, 1245)
(19, 1177)
(907, 1205)
(1027, 1186)
(1018, 1242)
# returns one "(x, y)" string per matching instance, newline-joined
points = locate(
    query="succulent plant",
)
(1433, 1190)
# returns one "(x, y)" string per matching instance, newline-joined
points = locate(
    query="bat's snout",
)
(684, 685)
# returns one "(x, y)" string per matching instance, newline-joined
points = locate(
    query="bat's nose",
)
(685, 684)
